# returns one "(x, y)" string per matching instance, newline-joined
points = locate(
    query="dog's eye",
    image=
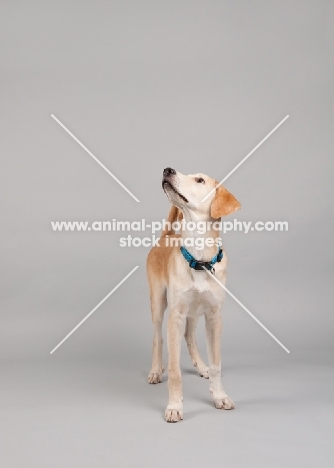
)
(200, 180)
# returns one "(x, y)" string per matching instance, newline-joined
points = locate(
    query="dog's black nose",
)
(169, 171)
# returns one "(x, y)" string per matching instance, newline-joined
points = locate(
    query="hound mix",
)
(178, 274)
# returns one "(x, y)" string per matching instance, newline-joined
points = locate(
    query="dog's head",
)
(187, 192)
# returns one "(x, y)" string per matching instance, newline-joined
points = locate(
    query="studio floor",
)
(94, 413)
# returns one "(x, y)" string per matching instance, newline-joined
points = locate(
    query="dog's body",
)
(190, 293)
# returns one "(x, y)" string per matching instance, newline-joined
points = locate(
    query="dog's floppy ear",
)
(175, 214)
(224, 203)
(180, 215)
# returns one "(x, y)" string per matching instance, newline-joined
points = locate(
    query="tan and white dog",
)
(189, 292)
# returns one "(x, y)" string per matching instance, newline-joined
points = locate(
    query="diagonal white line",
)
(246, 157)
(95, 308)
(95, 158)
(248, 312)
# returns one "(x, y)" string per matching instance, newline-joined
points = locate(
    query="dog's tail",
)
(175, 214)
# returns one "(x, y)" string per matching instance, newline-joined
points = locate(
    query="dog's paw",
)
(223, 402)
(154, 377)
(174, 413)
(203, 372)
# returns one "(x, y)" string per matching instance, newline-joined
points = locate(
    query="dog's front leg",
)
(176, 322)
(213, 327)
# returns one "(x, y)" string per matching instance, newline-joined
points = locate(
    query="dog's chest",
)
(203, 290)
(200, 282)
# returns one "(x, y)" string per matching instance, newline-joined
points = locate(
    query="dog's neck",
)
(207, 252)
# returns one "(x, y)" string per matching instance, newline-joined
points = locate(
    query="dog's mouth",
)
(166, 182)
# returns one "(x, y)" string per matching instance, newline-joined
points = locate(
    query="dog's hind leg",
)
(190, 337)
(158, 307)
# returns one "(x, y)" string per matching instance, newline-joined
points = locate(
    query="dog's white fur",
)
(189, 293)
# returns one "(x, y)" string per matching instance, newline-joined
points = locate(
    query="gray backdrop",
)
(193, 85)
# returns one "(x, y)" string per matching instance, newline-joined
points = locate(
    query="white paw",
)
(174, 413)
(154, 377)
(203, 372)
(223, 402)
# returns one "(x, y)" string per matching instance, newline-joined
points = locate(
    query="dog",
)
(177, 276)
